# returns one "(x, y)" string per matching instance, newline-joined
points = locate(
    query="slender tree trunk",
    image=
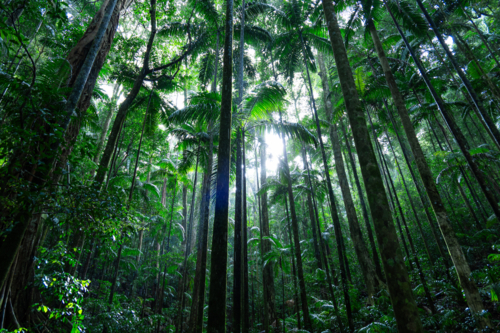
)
(260, 200)
(160, 299)
(324, 249)
(412, 204)
(86, 266)
(459, 186)
(317, 254)
(270, 309)
(402, 299)
(296, 239)
(420, 161)
(218, 272)
(362, 253)
(119, 256)
(237, 262)
(294, 272)
(366, 218)
(245, 300)
(184, 208)
(187, 251)
(196, 319)
(395, 207)
(408, 235)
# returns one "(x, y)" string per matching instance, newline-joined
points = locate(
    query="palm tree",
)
(403, 303)
(217, 299)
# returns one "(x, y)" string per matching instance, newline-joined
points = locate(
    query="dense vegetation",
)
(249, 166)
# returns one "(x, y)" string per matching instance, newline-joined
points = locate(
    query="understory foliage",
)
(113, 221)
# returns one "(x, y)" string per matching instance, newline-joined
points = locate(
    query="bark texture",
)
(218, 274)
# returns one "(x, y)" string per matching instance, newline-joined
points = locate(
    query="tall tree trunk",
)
(124, 107)
(184, 209)
(362, 253)
(245, 325)
(187, 250)
(218, 272)
(296, 239)
(160, 300)
(83, 85)
(403, 218)
(238, 209)
(412, 203)
(402, 299)
(294, 272)
(324, 248)
(139, 246)
(395, 206)
(317, 253)
(366, 218)
(198, 299)
(237, 263)
(270, 309)
(260, 200)
(459, 185)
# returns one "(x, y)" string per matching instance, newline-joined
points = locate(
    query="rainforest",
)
(253, 166)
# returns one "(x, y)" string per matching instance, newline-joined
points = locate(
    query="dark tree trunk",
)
(237, 262)
(245, 326)
(296, 240)
(218, 273)
(366, 218)
(270, 309)
(294, 272)
(187, 249)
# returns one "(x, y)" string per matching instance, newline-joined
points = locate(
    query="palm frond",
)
(265, 98)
